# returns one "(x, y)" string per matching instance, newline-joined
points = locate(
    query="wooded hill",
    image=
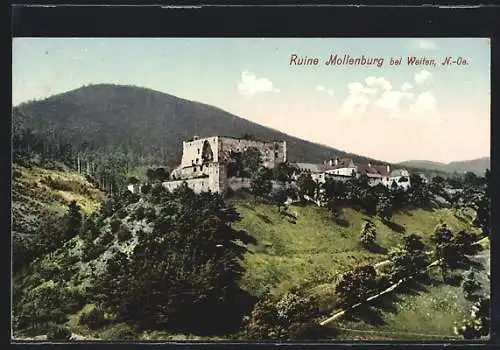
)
(138, 126)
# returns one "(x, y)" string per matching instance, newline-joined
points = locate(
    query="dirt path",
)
(390, 289)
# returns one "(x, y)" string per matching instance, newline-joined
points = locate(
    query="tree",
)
(283, 172)
(132, 180)
(384, 209)
(478, 324)
(409, 258)
(471, 287)
(73, 220)
(251, 162)
(261, 184)
(90, 230)
(357, 285)
(443, 251)
(280, 197)
(306, 185)
(278, 318)
(368, 235)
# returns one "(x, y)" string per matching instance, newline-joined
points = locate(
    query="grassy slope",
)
(29, 191)
(316, 248)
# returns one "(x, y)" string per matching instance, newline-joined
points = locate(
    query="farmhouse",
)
(345, 168)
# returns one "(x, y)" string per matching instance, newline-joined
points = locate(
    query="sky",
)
(388, 112)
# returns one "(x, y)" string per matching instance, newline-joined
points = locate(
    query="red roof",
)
(372, 169)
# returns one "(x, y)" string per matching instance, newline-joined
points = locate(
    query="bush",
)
(106, 239)
(94, 319)
(122, 213)
(150, 214)
(61, 333)
(124, 234)
(140, 213)
(115, 225)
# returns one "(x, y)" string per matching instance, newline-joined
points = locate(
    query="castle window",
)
(194, 169)
(197, 160)
(275, 154)
(201, 167)
(198, 151)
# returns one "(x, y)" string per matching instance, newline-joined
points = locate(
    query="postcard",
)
(250, 189)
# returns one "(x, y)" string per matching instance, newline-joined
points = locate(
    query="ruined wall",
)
(273, 153)
(192, 151)
(190, 172)
(215, 179)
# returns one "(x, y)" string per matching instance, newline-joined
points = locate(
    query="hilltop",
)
(476, 166)
(147, 125)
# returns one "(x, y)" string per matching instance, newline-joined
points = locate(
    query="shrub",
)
(61, 333)
(150, 214)
(115, 225)
(106, 238)
(140, 213)
(122, 213)
(94, 319)
(124, 234)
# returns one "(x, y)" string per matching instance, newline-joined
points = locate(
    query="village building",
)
(345, 168)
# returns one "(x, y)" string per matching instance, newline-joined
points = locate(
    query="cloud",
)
(424, 44)
(379, 82)
(377, 93)
(422, 76)
(425, 107)
(391, 100)
(406, 87)
(251, 85)
(323, 89)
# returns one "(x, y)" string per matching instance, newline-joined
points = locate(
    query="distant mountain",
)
(149, 124)
(476, 166)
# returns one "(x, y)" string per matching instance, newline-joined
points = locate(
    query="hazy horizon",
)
(394, 114)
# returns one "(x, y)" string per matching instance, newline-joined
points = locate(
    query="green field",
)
(315, 248)
(312, 251)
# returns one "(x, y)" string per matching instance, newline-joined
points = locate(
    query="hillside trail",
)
(389, 289)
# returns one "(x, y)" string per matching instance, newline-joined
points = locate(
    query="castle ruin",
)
(204, 163)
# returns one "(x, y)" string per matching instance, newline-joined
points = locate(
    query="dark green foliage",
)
(94, 319)
(192, 247)
(140, 213)
(146, 188)
(287, 318)
(123, 234)
(115, 225)
(357, 285)
(90, 229)
(122, 213)
(150, 214)
(283, 172)
(157, 175)
(73, 220)
(261, 185)
(91, 250)
(409, 258)
(471, 287)
(59, 333)
(306, 185)
(452, 249)
(106, 239)
(368, 235)
(478, 325)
